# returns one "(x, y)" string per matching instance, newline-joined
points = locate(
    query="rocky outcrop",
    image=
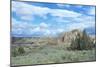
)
(76, 39)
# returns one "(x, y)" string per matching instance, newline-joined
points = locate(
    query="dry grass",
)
(53, 54)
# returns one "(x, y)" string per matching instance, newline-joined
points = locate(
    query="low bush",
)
(21, 50)
(17, 51)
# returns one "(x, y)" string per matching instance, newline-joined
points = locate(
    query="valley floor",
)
(52, 54)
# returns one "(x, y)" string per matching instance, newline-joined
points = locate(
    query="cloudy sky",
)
(36, 19)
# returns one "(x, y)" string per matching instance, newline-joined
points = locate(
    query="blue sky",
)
(36, 19)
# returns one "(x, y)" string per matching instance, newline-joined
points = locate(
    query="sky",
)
(44, 19)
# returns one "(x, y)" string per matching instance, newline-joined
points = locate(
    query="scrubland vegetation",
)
(74, 46)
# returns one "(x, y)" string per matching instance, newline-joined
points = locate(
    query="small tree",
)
(85, 41)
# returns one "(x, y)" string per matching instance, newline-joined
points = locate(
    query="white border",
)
(4, 33)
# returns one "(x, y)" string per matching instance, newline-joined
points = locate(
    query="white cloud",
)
(63, 5)
(64, 13)
(27, 12)
(47, 32)
(68, 5)
(43, 25)
(30, 10)
(42, 28)
(19, 27)
(27, 28)
(22, 8)
(36, 29)
(91, 11)
(27, 18)
(76, 26)
(60, 30)
(26, 9)
(82, 22)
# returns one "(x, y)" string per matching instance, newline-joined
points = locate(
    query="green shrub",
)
(17, 51)
(14, 52)
(21, 50)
